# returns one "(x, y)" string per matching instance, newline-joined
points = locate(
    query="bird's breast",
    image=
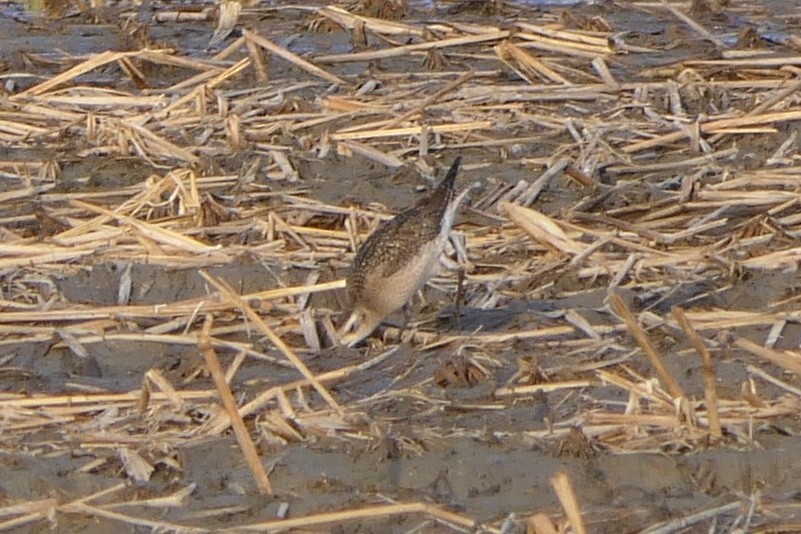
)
(386, 294)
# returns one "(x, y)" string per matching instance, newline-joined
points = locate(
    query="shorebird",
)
(399, 258)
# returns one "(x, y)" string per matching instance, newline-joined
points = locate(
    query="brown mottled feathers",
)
(396, 241)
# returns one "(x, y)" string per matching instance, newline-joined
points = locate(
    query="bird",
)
(399, 257)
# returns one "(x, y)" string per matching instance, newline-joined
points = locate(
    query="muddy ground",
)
(459, 446)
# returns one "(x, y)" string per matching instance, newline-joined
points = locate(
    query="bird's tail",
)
(444, 193)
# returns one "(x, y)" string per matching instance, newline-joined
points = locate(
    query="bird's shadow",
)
(521, 313)
(470, 319)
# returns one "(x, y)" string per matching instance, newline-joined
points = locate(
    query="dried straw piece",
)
(155, 377)
(546, 388)
(773, 380)
(292, 58)
(101, 98)
(540, 524)
(32, 510)
(237, 300)
(95, 511)
(47, 508)
(82, 68)
(787, 361)
(242, 435)
(161, 146)
(562, 47)
(43, 259)
(367, 151)
(276, 392)
(228, 15)
(18, 130)
(703, 32)
(405, 50)
(568, 38)
(215, 77)
(620, 307)
(543, 229)
(603, 71)
(431, 341)
(351, 21)
(179, 498)
(186, 307)
(257, 60)
(164, 57)
(136, 467)
(371, 512)
(464, 78)
(567, 497)
(525, 65)
(151, 231)
(715, 127)
(685, 523)
(232, 49)
(675, 165)
(710, 389)
(415, 130)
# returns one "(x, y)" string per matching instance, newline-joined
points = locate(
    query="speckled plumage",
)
(399, 257)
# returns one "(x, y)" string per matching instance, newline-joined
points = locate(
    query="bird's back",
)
(393, 245)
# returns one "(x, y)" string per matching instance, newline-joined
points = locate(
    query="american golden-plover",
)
(399, 258)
